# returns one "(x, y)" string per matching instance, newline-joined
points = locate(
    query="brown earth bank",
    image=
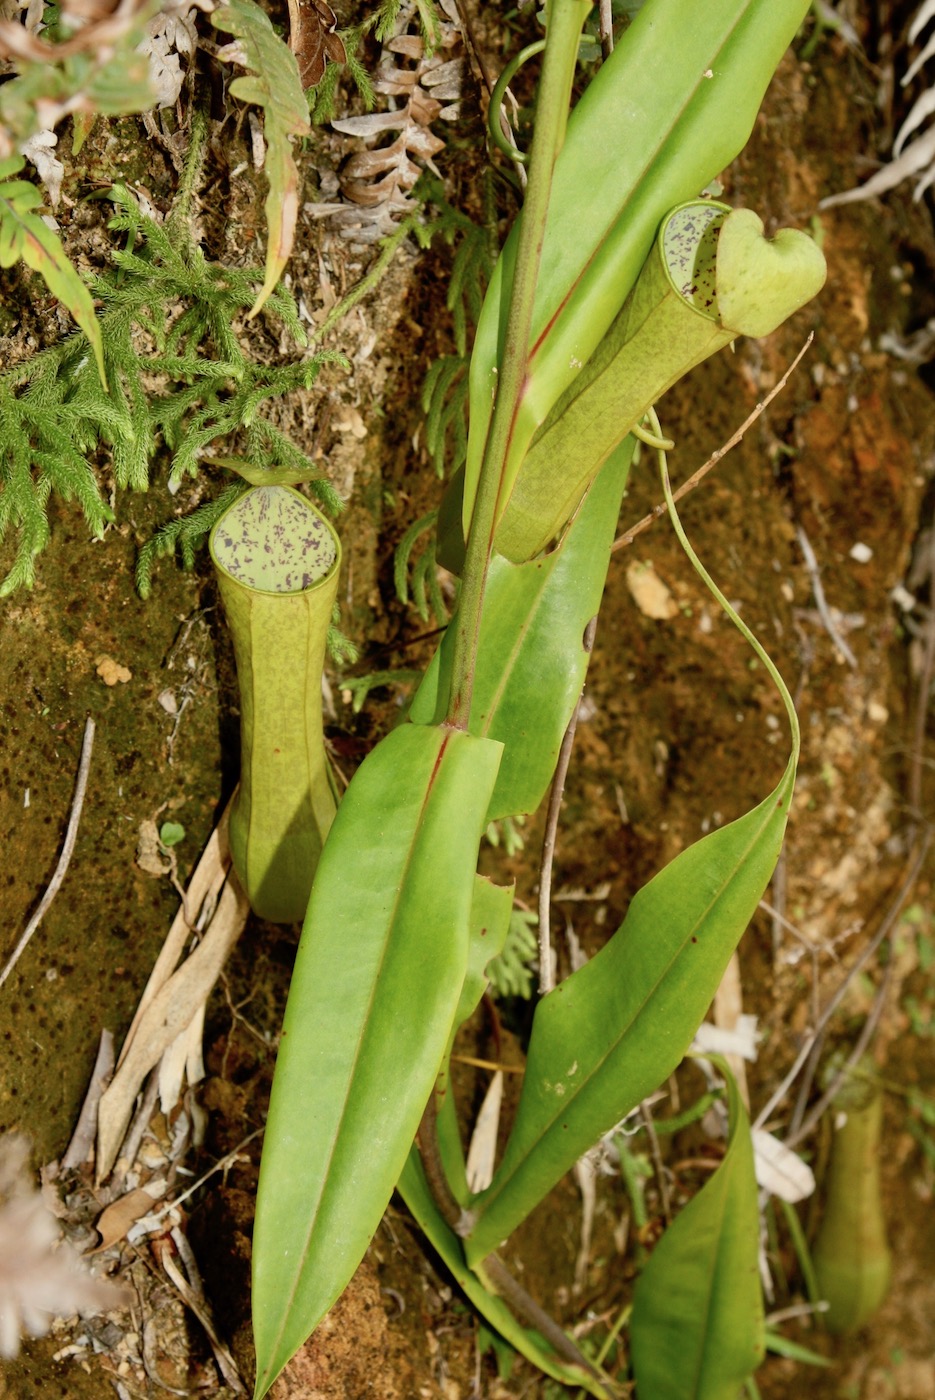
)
(680, 731)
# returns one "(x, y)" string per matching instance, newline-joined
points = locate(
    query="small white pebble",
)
(168, 701)
(901, 596)
(861, 553)
(877, 713)
(26, 798)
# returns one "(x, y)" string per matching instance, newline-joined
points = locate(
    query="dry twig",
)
(71, 835)
(702, 472)
(886, 927)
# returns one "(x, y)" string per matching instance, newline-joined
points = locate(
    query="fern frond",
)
(341, 649)
(510, 973)
(403, 552)
(425, 588)
(387, 15)
(444, 396)
(184, 533)
(361, 686)
(27, 498)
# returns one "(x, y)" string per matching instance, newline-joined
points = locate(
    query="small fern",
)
(423, 583)
(361, 686)
(445, 388)
(510, 974)
(185, 534)
(54, 411)
(323, 102)
(445, 403)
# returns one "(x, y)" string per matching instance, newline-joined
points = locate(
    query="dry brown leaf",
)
(114, 1222)
(313, 38)
(168, 1015)
(378, 182)
(174, 999)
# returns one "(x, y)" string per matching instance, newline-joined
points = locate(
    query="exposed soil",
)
(680, 732)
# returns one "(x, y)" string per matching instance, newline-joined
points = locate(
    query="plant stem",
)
(191, 173)
(495, 1273)
(565, 19)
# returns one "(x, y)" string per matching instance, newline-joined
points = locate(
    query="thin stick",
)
(79, 1148)
(715, 457)
(71, 835)
(882, 932)
(606, 11)
(821, 603)
(863, 1041)
(656, 1155)
(546, 968)
(220, 1165)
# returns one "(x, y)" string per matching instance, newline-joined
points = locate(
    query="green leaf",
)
(614, 1030)
(377, 981)
(531, 660)
(491, 909)
(23, 235)
(763, 281)
(171, 833)
(415, 1192)
(648, 133)
(697, 1332)
(794, 1351)
(277, 88)
(111, 81)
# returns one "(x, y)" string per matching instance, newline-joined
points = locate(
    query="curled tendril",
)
(496, 100)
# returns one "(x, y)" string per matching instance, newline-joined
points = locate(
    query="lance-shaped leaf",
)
(531, 660)
(671, 107)
(377, 981)
(711, 276)
(697, 1329)
(609, 1034)
(24, 235)
(415, 1192)
(278, 90)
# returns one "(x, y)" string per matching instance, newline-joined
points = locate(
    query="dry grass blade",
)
(173, 1001)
